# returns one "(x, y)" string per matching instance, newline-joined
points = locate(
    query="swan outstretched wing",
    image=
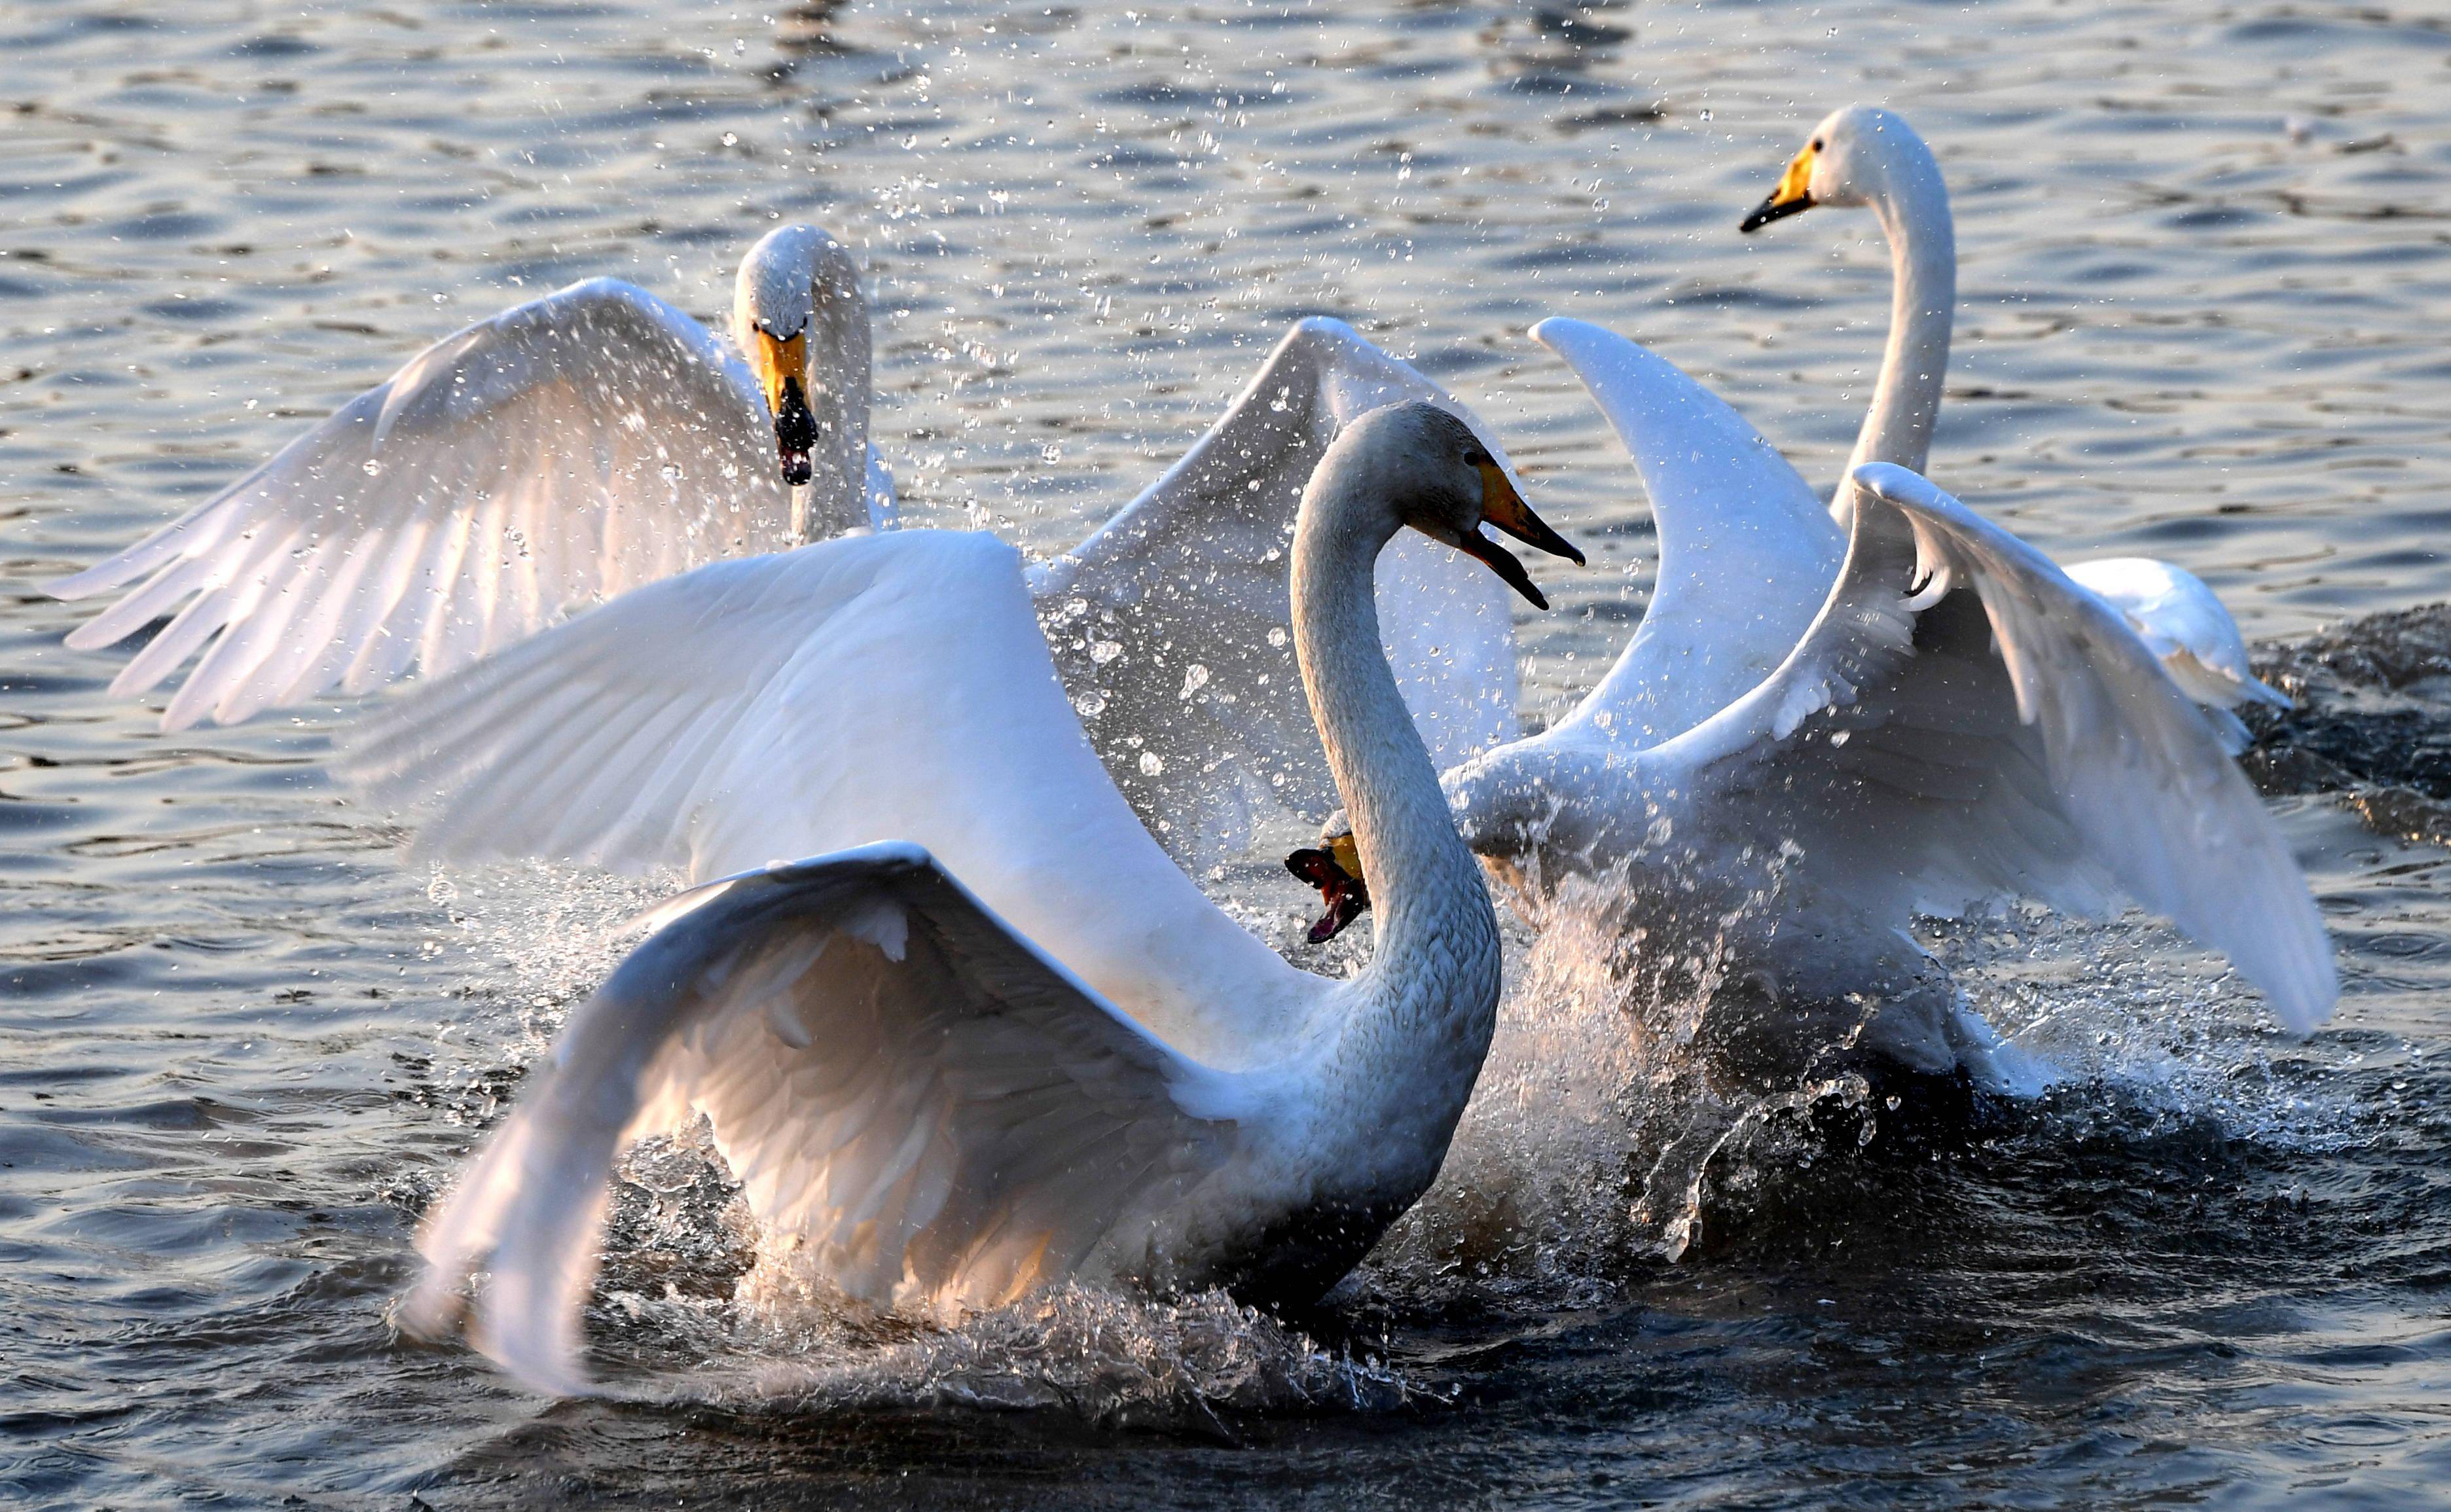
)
(893, 686)
(742, 711)
(559, 453)
(941, 1114)
(1172, 623)
(1746, 552)
(1963, 721)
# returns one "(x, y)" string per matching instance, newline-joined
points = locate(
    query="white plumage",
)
(1080, 1070)
(518, 475)
(1958, 722)
(1172, 628)
(563, 451)
(2172, 611)
(1867, 157)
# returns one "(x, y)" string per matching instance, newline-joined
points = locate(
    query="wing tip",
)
(1561, 332)
(100, 577)
(545, 1367)
(2309, 993)
(1314, 326)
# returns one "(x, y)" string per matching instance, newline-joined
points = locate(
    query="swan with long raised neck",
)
(1777, 791)
(949, 1107)
(1865, 156)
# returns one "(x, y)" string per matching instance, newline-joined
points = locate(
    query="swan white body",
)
(1864, 156)
(1958, 721)
(554, 456)
(1081, 1069)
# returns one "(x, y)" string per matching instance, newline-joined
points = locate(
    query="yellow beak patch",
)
(1795, 192)
(1796, 183)
(775, 359)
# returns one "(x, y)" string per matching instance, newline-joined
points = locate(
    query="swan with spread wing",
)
(597, 440)
(1033, 1051)
(1957, 722)
(563, 451)
(1867, 157)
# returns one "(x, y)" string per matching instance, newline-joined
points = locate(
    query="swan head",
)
(794, 286)
(1334, 867)
(1847, 161)
(1443, 481)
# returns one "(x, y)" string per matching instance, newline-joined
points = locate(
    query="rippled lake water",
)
(2206, 277)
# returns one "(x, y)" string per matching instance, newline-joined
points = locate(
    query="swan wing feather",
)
(1172, 623)
(938, 1112)
(1747, 554)
(1963, 721)
(891, 686)
(556, 454)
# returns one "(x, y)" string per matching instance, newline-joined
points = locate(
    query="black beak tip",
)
(797, 470)
(1771, 210)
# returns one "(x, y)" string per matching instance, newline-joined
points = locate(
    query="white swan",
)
(2172, 611)
(1861, 155)
(569, 479)
(563, 451)
(952, 1097)
(1957, 722)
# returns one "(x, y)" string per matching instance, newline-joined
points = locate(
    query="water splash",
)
(1108, 1359)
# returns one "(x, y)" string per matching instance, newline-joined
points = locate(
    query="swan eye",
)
(1814, 146)
(1477, 458)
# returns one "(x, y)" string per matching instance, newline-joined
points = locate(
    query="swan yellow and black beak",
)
(782, 366)
(1500, 505)
(1335, 869)
(1793, 195)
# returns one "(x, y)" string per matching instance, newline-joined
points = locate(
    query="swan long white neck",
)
(1421, 1016)
(839, 358)
(1907, 194)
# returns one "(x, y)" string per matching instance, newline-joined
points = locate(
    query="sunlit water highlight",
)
(243, 1038)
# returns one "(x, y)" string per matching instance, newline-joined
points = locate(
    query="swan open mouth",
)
(1335, 869)
(1501, 506)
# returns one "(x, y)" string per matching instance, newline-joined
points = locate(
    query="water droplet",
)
(1150, 765)
(1103, 652)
